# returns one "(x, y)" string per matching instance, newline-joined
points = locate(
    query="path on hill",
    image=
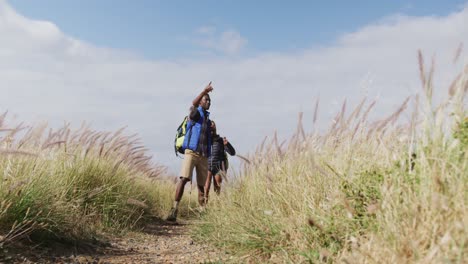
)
(158, 242)
(161, 242)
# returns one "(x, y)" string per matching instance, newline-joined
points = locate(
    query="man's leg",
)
(201, 195)
(201, 167)
(178, 196)
(185, 176)
(208, 185)
(180, 189)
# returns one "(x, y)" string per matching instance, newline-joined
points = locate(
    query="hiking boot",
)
(172, 215)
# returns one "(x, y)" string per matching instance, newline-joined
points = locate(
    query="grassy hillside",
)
(71, 185)
(388, 191)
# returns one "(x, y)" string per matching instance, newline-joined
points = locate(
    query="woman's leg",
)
(217, 182)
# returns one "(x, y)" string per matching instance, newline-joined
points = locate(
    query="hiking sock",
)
(176, 205)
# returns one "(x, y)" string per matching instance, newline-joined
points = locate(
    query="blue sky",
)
(140, 63)
(166, 29)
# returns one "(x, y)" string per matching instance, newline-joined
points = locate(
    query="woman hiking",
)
(217, 165)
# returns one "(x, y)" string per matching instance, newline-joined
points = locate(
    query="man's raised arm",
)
(207, 89)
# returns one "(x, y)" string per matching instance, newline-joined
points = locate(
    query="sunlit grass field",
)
(75, 184)
(365, 191)
(385, 191)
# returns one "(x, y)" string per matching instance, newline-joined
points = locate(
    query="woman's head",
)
(213, 127)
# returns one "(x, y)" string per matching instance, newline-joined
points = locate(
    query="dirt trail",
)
(163, 243)
(159, 242)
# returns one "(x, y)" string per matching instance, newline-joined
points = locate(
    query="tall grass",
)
(74, 184)
(363, 192)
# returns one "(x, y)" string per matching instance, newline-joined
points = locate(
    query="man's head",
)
(205, 102)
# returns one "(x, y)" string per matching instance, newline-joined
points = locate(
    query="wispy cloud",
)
(228, 42)
(47, 75)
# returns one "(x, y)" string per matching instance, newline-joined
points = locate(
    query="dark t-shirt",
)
(205, 130)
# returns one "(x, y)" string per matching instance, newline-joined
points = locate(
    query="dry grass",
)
(363, 192)
(75, 184)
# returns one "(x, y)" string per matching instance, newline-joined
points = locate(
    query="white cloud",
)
(47, 75)
(206, 30)
(229, 42)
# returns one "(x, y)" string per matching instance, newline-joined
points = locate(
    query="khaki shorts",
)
(194, 159)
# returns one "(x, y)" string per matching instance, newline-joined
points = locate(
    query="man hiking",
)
(197, 145)
(217, 166)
